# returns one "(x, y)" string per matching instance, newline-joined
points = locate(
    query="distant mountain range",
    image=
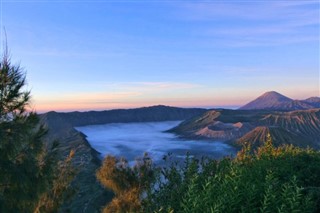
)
(288, 121)
(276, 101)
(143, 114)
(300, 127)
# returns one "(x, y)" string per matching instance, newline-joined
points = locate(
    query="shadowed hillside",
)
(280, 136)
(89, 195)
(144, 114)
(314, 101)
(301, 127)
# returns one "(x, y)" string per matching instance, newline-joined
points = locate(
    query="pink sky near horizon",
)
(61, 106)
(87, 102)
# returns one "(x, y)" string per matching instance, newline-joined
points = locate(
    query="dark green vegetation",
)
(20, 145)
(283, 179)
(31, 177)
(300, 127)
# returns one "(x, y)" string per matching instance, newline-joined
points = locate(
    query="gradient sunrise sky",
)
(93, 55)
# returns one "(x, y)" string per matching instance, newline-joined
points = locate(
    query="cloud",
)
(252, 23)
(248, 10)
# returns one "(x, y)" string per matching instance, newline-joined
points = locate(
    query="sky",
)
(100, 54)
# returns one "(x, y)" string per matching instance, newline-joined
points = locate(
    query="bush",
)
(127, 183)
(269, 180)
(283, 179)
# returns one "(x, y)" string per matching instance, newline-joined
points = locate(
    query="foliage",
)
(27, 170)
(13, 100)
(128, 183)
(21, 159)
(52, 199)
(269, 180)
(282, 179)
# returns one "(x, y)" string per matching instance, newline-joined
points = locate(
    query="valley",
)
(162, 129)
(132, 140)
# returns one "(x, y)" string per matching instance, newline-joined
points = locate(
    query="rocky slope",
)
(276, 101)
(305, 123)
(219, 124)
(89, 195)
(300, 127)
(258, 136)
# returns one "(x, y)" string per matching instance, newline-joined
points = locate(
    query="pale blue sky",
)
(82, 55)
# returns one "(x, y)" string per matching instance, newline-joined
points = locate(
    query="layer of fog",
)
(132, 140)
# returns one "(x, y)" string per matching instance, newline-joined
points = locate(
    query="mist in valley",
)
(132, 140)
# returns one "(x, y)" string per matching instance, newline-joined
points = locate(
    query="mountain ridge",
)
(275, 101)
(280, 136)
(314, 101)
(232, 125)
(142, 114)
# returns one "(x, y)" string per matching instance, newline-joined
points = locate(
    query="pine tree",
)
(22, 160)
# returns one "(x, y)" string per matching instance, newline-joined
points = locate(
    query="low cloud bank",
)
(132, 140)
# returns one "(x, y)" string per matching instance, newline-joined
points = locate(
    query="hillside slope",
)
(89, 195)
(305, 123)
(301, 127)
(258, 136)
